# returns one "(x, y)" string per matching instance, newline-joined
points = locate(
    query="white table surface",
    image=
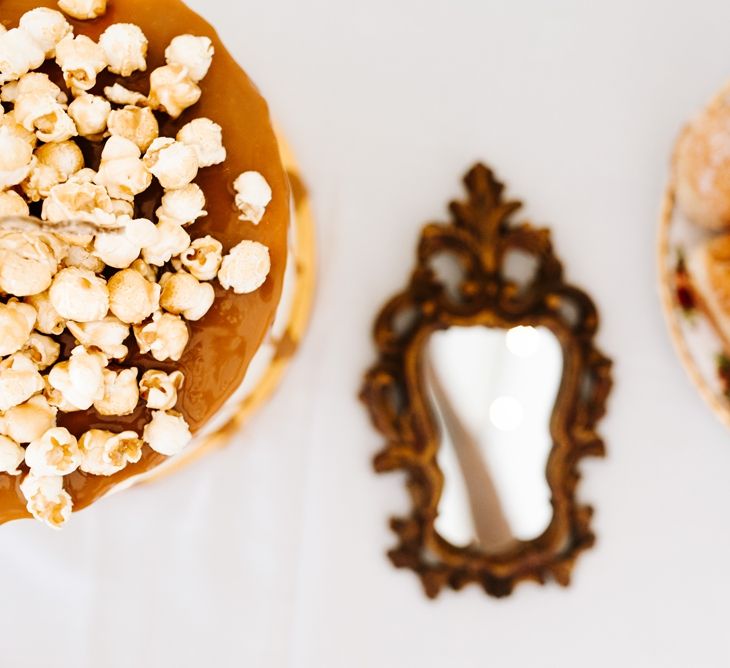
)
(271, 553)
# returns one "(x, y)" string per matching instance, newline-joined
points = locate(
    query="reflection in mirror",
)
(493, 393)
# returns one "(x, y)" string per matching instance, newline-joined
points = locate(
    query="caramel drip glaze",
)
(224, 341)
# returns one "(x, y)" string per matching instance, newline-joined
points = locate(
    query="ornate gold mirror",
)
(487, 389)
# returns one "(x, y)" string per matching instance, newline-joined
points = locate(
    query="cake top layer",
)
(201, 320)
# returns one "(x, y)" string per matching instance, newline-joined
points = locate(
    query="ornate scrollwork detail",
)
(479, 240)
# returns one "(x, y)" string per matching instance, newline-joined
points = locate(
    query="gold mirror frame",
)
(480, 236)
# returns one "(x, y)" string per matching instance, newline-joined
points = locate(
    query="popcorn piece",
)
(183, 206)
(11, 456)
(165, 337)
(124, 448)
(182, 294)
(33, 82)
(193, 53)
(55, 164)
(48, 320)
(172, 90)
(138, 124)
(171, 239)
(80, 380)
(118, 94)
(46, 499)
(79, 295)
(125, 48)
(43, 114)
(121, 393)
(9, 92)
(132, 298)
(56, 452)
(206, 138)
(120, 250)
(12, 204)
(46, 26)
(83, 9)
(81, 59)
(90, 113)
(122, 208)
(10, 124)
(19, 53)
(107, 335)
(16, 157)
(19, 381)
(83, 258)
(42, 350)
(56, 399)
(29, 421)
(65, 157)
(173, 163)
(16, 323)
(253, 194)
(83, 176)
(203, 258)
(122, 171)
(147, 270)
(39, 181)
(245, 268)
(105, 453)
(81, 201)
(159, 389)
(28, 262)
(167, 433)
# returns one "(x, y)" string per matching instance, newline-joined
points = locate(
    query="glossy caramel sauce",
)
(224, 341)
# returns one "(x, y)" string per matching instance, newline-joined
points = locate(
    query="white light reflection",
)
(522, 341)
(506, 413)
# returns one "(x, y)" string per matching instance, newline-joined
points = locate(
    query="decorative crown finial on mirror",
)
(487, 388)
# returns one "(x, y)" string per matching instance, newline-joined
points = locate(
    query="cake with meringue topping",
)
(144, 224)
(701, 180)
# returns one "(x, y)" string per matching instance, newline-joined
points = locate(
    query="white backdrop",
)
(271, 553)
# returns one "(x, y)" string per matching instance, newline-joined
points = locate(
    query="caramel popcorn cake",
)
(144, 213)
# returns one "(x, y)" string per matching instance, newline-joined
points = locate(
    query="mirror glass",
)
(493, 393)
